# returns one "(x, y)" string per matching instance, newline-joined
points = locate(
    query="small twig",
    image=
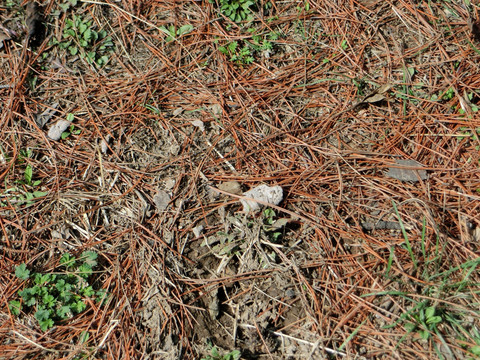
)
(33, 342)
(113, 325)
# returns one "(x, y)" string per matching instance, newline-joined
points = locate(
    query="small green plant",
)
(243, 52)
(271, 226)
(11, 3)
(71, 129)
(215, 355)
(237, 10)
(23, 193)
(306, 7)
(422, 318)
(229, 244)
(237, 54)
(60, 295)
(262, 43)
(153, 109)
(174, 33)
(449, 94)
(24, 154)
(470, 135)
(475, 350)
(473, 107)
(27, 178)
(68, 4)
(429, 316)
(80, 37)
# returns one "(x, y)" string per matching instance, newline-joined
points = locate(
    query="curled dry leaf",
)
(377, 94)
(44, 117)
(34, 21)
(474, 27)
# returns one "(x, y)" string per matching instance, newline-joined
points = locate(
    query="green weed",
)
(305, 8)
(243, 53)
(449, 94)
(80, 37)
(472, 135)
(237, 10)
(262, 43)
(173, 33)
(271, 226)
(71, 129)
(65, 6)
(426, 313)
(24, 193)
(58, 296)
(237, 54)
(215, 355)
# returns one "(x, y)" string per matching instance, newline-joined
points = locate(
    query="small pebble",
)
(55, 132)
(161, 200)
(269, 194)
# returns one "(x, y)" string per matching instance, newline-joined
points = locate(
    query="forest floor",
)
(130, 132)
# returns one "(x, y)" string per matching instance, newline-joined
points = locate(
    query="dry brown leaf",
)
(474, 27)
(34, 21)
(377, 94)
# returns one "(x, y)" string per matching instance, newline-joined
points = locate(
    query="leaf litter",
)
(200, 267)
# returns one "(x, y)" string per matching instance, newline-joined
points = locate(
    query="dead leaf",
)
(44, 117)
(34, 21)
(232, 187)
(198, 124)
(377, 94)
(374, 98)
(161, 200)
(474, 27)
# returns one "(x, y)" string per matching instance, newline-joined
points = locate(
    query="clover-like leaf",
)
(90, 258)
(42, 314)
(49, 300)
(46, 324)
(22, 272)
(64, 312)
(15, 307)
(78, 306)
